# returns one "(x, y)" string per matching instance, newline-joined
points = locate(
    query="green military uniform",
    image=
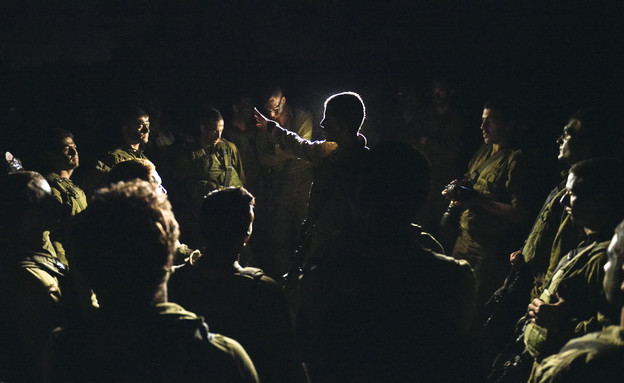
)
(578, 280)
(289, 179)
(246, 305)
(595, 357)
(118, 155)
(32, 304)
(553, 235)
(72, 199)
(198, 172)
(335, 176)
(161, 343)
(485, 240)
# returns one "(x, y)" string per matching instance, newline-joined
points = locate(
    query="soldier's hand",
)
(261, 120)
(450, 183)
(516, 257)
(547, 315)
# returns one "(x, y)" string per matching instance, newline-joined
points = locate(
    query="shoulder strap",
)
(228, 165)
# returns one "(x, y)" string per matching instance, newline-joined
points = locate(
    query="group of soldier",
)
(89, 284)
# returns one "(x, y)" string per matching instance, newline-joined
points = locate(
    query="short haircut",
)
(125, 239)
(603, 128)
(129, 170)
(129, 114)
(22, 191)
(600, 175)
(225, 216)
(52, 138)
(506, 106)
(206, 116)
(209, 116)
(394, 181)
(348, 107)
(273, 91)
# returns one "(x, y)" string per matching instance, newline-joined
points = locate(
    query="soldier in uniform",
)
(241, 302)
(573, 302)
(596, 356)
(589, 133)
(135, 131)
(211, 163)
(401, 311)
(289, 179)
(499, 206)
(336, 162)
(62, 160)
(31, 277)
(127, 235)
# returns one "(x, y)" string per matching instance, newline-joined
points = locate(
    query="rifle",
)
(514, 363)
(290, 280)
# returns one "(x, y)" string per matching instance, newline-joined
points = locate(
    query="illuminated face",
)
(613, 281)
(494, 129)
(570, 143)
(211, 133)
(275, 107)
(138, 131)
(577, 204)
(66, 157)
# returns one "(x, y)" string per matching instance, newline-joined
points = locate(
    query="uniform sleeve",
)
(237, 163)
(568, 367)
(520, 183)
(290, 142)
(245, 370)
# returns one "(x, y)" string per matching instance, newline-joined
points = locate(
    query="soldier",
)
(62, 160)
(127, 235)
(573, 303)
(135, 131)
(145, 170)
(211, 163)
(241, 302)
(401, 311)
(289, 179)
(596, 356)
(31, 277)
(498, 205)
(589, 133)
(336, 162)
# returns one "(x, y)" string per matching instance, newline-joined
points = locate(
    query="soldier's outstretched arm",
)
(290, 142)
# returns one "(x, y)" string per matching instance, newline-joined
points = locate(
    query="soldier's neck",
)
(136, 146)
(66, 173)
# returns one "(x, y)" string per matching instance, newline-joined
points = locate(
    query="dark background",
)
(73, 64)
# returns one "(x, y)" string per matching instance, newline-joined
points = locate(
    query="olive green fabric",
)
(196, 173)
(161, 343)
(553, 235)
(73, 200)
(595, 357)
(246, 305)
(32, 304)
(578, 280)
(486, 240)
(500, 177)
(567, 238)
(542, 235)
(202, 171)
(118, 155)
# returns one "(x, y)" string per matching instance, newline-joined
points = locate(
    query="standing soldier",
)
(289, 178)
(211, 163)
